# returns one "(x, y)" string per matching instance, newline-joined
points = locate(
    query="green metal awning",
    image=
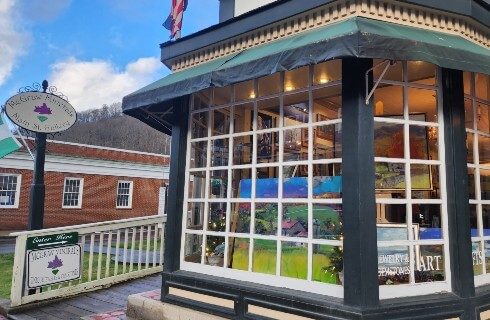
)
(355, 37)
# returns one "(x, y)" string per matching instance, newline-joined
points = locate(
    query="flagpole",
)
(36, 205)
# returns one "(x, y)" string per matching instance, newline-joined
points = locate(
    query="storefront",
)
(333, 162)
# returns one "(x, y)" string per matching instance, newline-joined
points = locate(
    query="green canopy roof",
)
(355, 37)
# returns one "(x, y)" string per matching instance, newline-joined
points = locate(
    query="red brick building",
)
(84, 184)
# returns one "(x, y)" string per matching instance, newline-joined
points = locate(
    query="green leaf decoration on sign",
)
(55, 271)
(42, 118)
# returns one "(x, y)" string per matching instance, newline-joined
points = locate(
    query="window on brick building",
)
(124, 194)
(72, 193)
(9, 190)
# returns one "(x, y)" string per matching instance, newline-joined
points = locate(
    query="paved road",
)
(94, 305)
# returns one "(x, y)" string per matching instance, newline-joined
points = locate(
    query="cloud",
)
(90, 84)
(13, 40)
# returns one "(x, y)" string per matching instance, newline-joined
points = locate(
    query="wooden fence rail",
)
(112, 252)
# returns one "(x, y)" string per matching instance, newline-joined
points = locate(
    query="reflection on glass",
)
(393, 265)
(199, 154)
(423, 176)
(219, 152)
(485, 184)
(243, 117)
(421, 72)
(242, 150)
(467, 82)
(238, 256)
(295, 144)
(270, 85)
(487, 255)
(221, 121)
(484, 149)
(264, 256)
(245, 91)
(482, 83)
(241, 183)
(469, 147)
(327, 221)
(193, 248)
(429, 263)
(195, 215)
(266, 218)
(202, 99)
(296, 109)
(391, 222)
(222, 95)
(485, 208)
(483, 116)
(393, 73)
(197, 185)
(388, 101)
(199, 127)
(327, 104)
(327, 181)
(296, 79)
(215, 251)
(328, 264)
(268, 114)
(240, 217)
(474, 221)
(468, 113)
(327, 72)
(294, 260)
(422, 104)
(267, 147)
(295, 181)
(327, 141)
(471, 183)
(426, 219)
(388, 140)
(295, 220)
(424, 143)
(217, 216)
(390, 177)
(218, 184)
(477, 254)
(267, 182)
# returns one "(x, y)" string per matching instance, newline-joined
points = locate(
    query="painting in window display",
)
(239, 252)
(328, 264)
(294, 260)
(240, 217)
(294, 220)
(264, 256)
(266, 218)
(327, 221)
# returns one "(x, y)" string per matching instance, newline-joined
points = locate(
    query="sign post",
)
(42, 113)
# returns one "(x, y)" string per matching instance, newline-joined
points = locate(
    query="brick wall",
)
(98, 200)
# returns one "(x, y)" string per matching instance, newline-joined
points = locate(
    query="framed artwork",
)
(391, 176)
(265, 140)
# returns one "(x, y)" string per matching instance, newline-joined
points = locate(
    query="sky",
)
(93, 51)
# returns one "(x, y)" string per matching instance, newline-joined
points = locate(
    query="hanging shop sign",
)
(53, 265)
(40, 112)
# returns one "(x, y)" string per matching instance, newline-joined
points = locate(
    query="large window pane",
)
(215, 251)
(328, 264)
(238, 256)
(193, 248)
(393, 265)
(295, 220)
(266, 218)
(327, 72)
(327, 221)
(217, 216)
(327, 104)
(388, 138)
(240, 217)
(264, 256)
(294, 260)
(429, 263)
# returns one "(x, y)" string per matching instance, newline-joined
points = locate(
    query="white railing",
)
(112, 252)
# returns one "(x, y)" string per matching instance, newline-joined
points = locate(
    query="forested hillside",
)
(109, 127)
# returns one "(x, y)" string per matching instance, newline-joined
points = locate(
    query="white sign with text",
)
(40, 112)
(53, 265)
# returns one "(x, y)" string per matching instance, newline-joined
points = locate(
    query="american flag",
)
(174, 20)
